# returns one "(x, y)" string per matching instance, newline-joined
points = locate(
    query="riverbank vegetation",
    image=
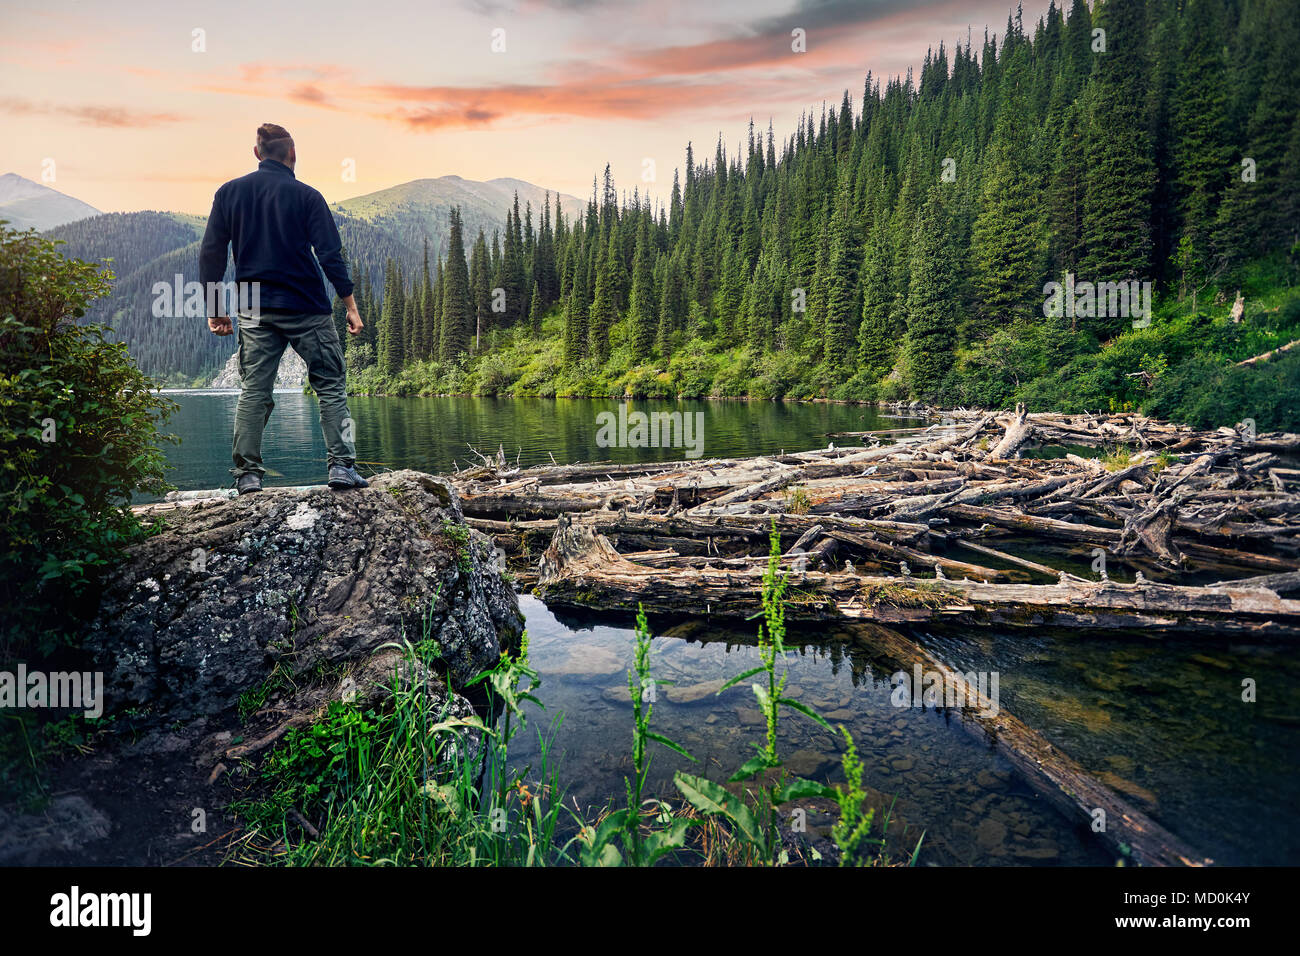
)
(78, 434)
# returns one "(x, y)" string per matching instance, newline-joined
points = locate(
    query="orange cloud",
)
(90, 115)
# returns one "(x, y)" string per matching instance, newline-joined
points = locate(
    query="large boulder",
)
(202, 612)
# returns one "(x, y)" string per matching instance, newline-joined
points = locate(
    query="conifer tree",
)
(1120, 173)
(604, 310)
(1009, 248)
(932, 301)
(642, 308)
(575, 321)
(457, 320)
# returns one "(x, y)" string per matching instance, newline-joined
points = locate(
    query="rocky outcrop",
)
(205, 610)
(292, 372)
(243, 619)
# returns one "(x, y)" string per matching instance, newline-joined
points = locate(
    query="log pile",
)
(1158, 526)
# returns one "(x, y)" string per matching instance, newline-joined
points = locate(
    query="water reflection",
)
(437, 434)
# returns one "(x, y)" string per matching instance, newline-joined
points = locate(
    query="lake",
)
(1157, 717)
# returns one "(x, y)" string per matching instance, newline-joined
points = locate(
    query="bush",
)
(78, 433)
(1207, 393)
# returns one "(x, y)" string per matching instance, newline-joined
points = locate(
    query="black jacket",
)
(274, 222)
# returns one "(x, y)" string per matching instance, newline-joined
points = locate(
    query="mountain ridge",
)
(27, 204)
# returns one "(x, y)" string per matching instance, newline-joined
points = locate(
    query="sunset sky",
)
(135, 118)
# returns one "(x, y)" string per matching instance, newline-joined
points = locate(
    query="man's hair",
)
(274, 142)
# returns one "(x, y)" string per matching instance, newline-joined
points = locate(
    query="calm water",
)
(435, 434)
(1158, 718)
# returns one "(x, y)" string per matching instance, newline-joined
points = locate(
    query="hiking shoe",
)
(345, 476)
(250, 481)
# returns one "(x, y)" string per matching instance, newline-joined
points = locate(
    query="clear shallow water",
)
(1159, 718)
(973, 808)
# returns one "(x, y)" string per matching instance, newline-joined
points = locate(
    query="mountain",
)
(150, 247)
(29, 205)
(413, 210)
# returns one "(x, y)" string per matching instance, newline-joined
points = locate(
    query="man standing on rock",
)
(274, 222)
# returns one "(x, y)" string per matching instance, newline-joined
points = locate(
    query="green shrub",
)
(78, 433)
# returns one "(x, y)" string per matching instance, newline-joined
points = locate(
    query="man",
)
(274, 222)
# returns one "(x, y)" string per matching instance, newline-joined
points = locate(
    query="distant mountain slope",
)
(419, 208)
(129, 239)
(151, 247)
(29, 205)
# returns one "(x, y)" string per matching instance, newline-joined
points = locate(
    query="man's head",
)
(274, 142)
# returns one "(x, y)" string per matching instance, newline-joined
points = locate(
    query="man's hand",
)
(220, 325)
(354, 322)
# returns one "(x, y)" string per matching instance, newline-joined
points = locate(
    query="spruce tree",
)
(604, 310)
(642, 307)
(1120, 173)
(1009, 248)
(877, 335)
(933, 303)
(575, 321)
(457, 320)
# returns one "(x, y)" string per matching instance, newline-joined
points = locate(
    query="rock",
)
(1120, 763)
(588, 662)
(1036, 853)
(288, 600)
(617, 694)
(990, 834)
(691, 693)
(292, 372)
(902, 763)
(204, 611)
(1130, 789)
(808, 763)
(69, 824)
(750, 715)
(989, 780)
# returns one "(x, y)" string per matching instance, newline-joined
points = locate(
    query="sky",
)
(152, 104)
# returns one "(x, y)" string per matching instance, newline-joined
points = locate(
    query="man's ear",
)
(256, 154)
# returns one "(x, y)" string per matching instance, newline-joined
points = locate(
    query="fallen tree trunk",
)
(1063, 781)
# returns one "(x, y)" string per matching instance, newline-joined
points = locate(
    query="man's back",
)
(272, 222)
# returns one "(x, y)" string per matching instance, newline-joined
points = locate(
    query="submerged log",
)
(1063, 781)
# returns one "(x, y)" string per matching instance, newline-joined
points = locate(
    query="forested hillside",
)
(901, 247)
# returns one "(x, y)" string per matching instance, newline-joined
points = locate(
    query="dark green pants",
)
(261, 344)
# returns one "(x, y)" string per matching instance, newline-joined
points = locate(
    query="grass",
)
(1117, 458)
(917, 593)
(797, 500)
